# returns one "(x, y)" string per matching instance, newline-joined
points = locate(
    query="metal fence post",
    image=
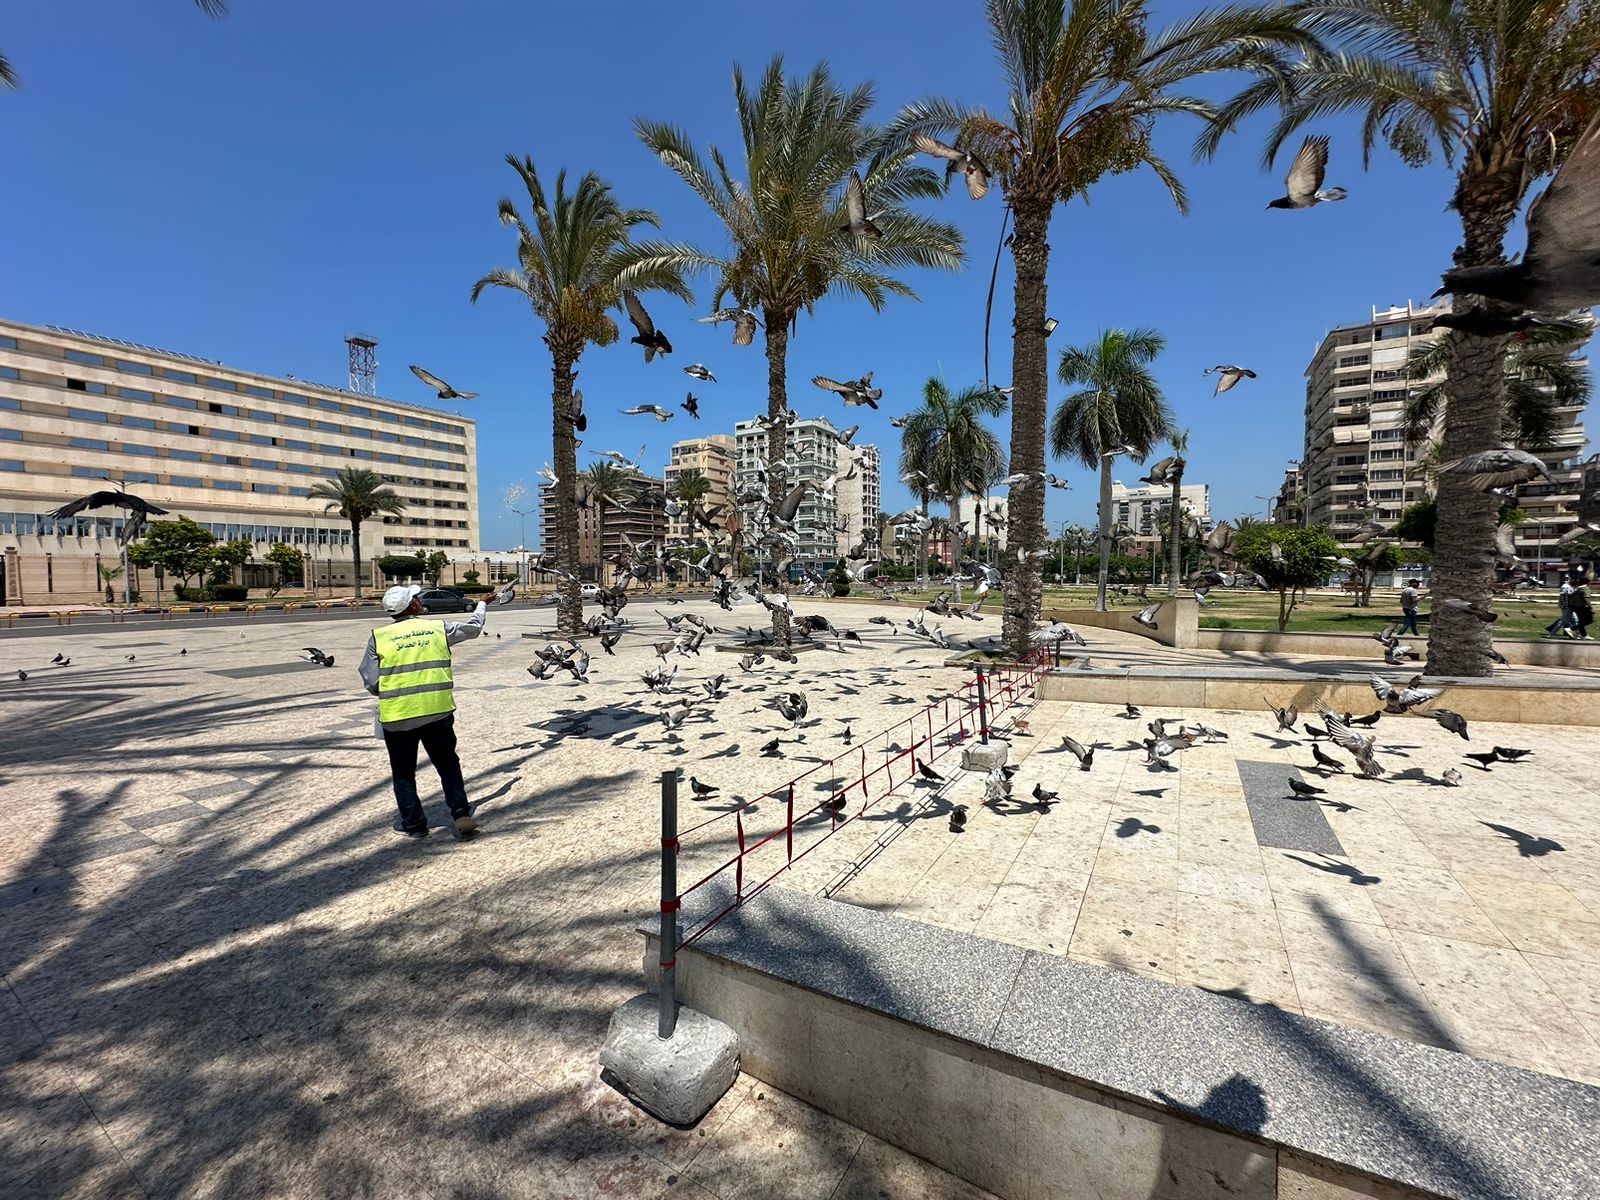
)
(669, 904)
(983, 712)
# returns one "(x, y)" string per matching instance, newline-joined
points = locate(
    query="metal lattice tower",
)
(363, 364)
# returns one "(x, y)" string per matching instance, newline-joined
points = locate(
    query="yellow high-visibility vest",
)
(414, 677)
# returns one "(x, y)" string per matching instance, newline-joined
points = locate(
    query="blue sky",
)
(254, 188)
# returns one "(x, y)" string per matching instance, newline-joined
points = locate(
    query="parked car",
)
(445, 600)
(590, 592)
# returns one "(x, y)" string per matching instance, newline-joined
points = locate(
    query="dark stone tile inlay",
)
(1281, 820)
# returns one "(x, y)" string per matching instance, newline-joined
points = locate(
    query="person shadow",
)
(1238, 1106)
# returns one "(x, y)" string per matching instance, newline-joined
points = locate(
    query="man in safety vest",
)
(407, 667)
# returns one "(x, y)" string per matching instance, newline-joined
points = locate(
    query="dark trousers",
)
(1584, 617)
(1408, 621)
(438, 738)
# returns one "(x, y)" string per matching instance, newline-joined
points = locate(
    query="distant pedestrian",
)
(1582, 607)
(1408, 609)
(1562, 625)
(407, 667)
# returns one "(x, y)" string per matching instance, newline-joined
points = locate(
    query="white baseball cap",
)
(398, 598)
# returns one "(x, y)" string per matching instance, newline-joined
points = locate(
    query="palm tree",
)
(211, 8)
(574, 262)
(691, 487)
(1120, 406)
(1500, 89)
(608, 486)
(1086, 82)
(1180, 447)
(1541, 376)
(1080, 537)
(913, 459)
(359, 495)
(784, 251)
(952, 447)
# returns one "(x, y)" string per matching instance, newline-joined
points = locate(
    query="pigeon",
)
(771, 750)
(1210, 734)
(1227, 376)
(691, 406)
(182, 652)
(969, 164)
(1147, 616)
(928, 772)
(745, 323)
(1286, 716)
(138, 511)
(1360, 748)
(22, 675)
(1316, 731)
(318, 657)
(1303, 184)
(131, 658)
(703, 790)
(1163, 471)
(608, 640)
(1130, 711)
(1560, 270)
(1403, 699)
(1451, 777)
(1511, 754)
(67, 662)
(1483, 760)
(1452, 721)
(701, 372)
(958, 818)
(446, 392)
(1485, 614)
(857, 223)
(506, 594)
(639, 410)
(1076, 748)
(1326, 761)
(58, 658)
(854, 392)
(1306, 789)
(647, 335)
(1501, 467)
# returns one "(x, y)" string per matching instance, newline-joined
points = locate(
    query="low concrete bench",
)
(1034, 1076)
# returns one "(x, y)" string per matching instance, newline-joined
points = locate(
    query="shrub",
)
(229, 591)
(472, 589)
(839, 577)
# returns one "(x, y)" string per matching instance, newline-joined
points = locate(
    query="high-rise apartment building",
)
(642, 521)
(711, 456)
(974, 512)
(828, 527)
(233, 450)
(1143, 509)
(1359, 462)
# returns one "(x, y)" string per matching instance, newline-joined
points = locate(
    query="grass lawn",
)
(1523, 615)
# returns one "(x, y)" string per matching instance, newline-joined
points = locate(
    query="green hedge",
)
(472, 589)
(217, 591)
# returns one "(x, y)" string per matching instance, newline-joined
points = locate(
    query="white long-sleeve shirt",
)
(454, 631)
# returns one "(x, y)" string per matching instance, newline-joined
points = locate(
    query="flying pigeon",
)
(857, 223)
(744, 321)
(138, 510)
(318, 657)
(1304, 181)
(1560, 270)
(691, 406)
(639, 410)
(969, 164)
(1084, 756)
(1228, 376)
(647, 335)
(1501, 467)
(446, 392)
(701, 372)
(855, 392)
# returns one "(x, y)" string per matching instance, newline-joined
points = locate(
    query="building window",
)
(226, 410)
(260, 439)
(265, 487)
(135, 368)
(87, 444)
(226, 435)
(297, 491)
(84, 414)
(262, 464)
(10, 435)
(135, 448)
(177, 376)
(300, 468)
(79, 385)
(292, 444)
(9, 373)
(135, 394)
(183, 481)
(227, 485)
(184, 455)
(80, 356)
(90, 473)
(7, 343)
(181, 402)
(10, 464)
(253, 390)
(138, 422)
(298, 422)
(222, 385)
(229, 460)
(137, 477)
(294, 399)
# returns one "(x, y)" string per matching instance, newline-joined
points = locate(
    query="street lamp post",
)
(516, 495)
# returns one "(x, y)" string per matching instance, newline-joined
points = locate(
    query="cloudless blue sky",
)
(253, 188)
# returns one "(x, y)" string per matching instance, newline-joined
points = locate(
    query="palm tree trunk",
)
(355, 553)
(1030, 376)
(777, 446)
(1175, 533)
(600, 543)
(1105, 534)
(1458, 643)
(569, 612)
(955, 541)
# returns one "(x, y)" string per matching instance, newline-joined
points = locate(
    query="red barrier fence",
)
(757, 840)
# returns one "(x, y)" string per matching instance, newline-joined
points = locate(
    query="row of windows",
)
(178, 376)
